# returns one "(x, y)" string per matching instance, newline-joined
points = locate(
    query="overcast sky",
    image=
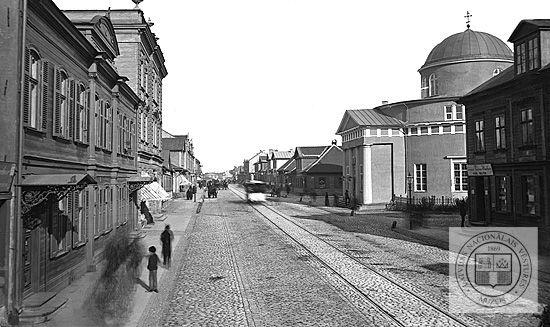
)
(245, 75)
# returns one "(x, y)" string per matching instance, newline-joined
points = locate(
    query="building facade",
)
(420, 145)
(77, 155)
(141, 60)
(507, 126)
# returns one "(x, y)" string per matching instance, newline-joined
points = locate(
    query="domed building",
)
(417, 147)
(462, 62)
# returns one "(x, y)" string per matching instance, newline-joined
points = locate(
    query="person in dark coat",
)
(346, 197)
(152, 266)
(145, 211)
(166, 238)
(327, 203)
(463, 210)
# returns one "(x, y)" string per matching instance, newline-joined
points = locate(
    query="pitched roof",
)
(282, 154)
(330, 161)
(309, 151)
(527, 26)
(368, 117)
(288, 166)
(505, 76)
(174, 143)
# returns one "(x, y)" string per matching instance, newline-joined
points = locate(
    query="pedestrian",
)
(463, 210)
(166, 238)
(327, 203)
(346, 197)
(287, 189)
(152, 266)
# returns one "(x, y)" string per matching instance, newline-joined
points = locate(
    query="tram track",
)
(412, 310)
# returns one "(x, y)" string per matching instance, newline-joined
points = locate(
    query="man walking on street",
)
(166, 238)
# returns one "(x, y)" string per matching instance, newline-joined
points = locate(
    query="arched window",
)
(31, 110)
(432, 85)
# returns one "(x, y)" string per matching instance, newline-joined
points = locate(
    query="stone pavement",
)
(73, 314)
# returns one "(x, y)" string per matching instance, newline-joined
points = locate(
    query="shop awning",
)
(37, 188)
(46, 180)
(153, 191)
(181, 180)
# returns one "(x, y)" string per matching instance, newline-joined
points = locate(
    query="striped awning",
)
(153, 191)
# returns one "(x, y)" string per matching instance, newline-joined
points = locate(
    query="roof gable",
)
(366, 117)
(331, 160)
(528, 26)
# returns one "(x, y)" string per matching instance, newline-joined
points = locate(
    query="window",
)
(520, 59)
(424, 130)
(80, 217)
(454, 112)
(502, 193)
(500, 132)
(61, 109)
(61, 220)
(479, 137)
(107, 126)
(530, 195)
(435, 129)
(460, 177)
(420, 178)
(459, 128)
(533, 53)
(527, 128)
(82, 112)
(424, 87)
(31, 111)
(414, 131)
(433, 85)
(447, 129)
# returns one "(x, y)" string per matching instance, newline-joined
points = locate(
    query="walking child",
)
(152, 266)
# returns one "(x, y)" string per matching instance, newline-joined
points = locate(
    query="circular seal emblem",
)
(493, 269)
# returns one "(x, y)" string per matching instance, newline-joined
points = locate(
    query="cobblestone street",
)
(278, 265)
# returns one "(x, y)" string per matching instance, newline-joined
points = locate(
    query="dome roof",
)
(468, 45)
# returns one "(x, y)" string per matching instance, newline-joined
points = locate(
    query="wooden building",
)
(78, 153)
(508, 123)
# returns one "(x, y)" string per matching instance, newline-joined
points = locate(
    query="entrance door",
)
(27, 261)
(480, 200)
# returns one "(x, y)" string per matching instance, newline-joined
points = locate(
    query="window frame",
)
(527, 127)
(420, 177)
(479, 135)
(500, 131)
(432, 85)
(462, 176)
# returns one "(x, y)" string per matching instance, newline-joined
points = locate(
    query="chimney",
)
(384, 102)
(334, 142)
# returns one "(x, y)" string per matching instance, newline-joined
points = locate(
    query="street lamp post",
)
(409, 198)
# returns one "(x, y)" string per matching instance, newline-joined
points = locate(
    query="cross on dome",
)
(468, 19)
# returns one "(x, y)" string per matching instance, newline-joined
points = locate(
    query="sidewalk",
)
(73, 314)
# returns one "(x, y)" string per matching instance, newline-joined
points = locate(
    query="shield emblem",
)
(493, 269)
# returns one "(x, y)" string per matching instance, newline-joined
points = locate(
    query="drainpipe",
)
(14, 222)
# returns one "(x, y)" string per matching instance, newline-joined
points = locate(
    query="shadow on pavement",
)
(142, 284)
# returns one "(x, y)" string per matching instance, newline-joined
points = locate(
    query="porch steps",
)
(39, 306)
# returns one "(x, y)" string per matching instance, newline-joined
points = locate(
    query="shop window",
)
(531, 195)
(502, 193)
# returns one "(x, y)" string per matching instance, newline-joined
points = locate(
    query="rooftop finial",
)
(468, 19)
(137, 2)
